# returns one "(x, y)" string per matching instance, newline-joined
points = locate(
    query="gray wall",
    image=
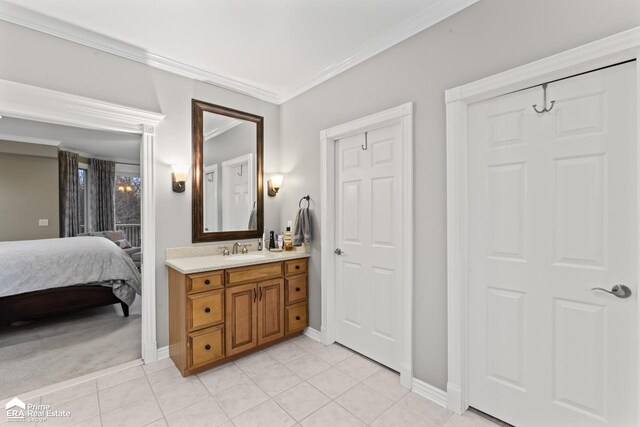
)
(28, 191)
(37, 59)
(489, 37)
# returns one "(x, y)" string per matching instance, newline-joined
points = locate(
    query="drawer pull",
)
(207, 282)
(297, 267)
(207, 347)
(297, 317)
(297, 289)
(207, 310)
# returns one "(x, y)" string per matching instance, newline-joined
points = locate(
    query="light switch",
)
(43, 222)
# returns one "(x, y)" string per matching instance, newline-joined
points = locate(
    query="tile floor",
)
(300, 382)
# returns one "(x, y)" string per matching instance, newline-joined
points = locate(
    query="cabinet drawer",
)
(295, 289)
(250, 274)
(295, 266)
(296, 317)
(205, 281)
(206, 309)
(206, 346)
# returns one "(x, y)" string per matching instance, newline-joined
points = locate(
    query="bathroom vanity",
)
(223, 307)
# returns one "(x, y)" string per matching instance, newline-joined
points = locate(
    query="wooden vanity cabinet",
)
(222, 314)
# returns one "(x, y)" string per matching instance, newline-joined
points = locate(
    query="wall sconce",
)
(274, 184)
(179, 177)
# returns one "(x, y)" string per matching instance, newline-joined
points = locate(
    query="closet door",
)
(553, 214)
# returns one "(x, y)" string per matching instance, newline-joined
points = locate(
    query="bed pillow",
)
(122, 243)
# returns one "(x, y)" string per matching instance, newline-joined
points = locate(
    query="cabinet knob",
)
(207, 347)
(297, 317)
(297, 289)
(207, 310)
(207, 282)
(297, 267)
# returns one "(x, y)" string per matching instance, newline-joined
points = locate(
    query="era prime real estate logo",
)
(18, 411)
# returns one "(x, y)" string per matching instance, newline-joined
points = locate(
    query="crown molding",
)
(45, 24)
(420, 22)
(222, 129)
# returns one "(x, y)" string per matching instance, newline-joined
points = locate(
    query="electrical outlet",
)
(43, 222)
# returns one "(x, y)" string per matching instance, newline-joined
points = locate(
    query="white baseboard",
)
(314, 334)
(162, 353)
(430, 392)
(79, 380)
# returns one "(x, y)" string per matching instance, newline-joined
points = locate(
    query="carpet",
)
(60, 348)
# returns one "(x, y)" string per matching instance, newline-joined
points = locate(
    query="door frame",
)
(403, 115)
(611, 50)
(45, 105)
(207, 170)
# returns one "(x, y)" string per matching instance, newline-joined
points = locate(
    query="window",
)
(82, 197)
(127, 199)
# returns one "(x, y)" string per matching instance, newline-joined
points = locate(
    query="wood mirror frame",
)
(198, 108)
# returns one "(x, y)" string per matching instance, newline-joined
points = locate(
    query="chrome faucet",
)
(234, 250)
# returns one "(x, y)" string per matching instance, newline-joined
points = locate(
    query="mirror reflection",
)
(229, 174)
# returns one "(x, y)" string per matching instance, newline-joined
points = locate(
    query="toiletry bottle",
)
(280, 241)
(288, 238)
(272, 241)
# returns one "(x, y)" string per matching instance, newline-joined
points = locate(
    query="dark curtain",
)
(102, 184)
(68, 182)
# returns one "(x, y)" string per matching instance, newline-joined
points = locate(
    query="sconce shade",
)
(274, 184)
(179, 177)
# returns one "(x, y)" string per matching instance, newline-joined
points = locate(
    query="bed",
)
(40, 278)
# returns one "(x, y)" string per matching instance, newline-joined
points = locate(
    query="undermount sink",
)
(246, 257)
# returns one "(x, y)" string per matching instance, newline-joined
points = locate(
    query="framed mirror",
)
(227, 201)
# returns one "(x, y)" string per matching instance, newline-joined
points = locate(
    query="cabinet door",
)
(241, 318)
(270, 310)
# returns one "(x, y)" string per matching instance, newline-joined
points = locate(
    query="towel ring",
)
(307, 198)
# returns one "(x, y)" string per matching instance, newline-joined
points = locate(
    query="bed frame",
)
(38, 304)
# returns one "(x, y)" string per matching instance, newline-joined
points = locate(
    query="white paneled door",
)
(553, 213)
(368, 235)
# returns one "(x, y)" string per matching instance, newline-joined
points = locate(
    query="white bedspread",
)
(34, 265)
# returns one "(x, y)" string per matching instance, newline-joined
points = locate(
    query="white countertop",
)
(199, 264)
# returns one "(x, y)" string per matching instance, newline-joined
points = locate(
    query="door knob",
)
(338, 251)
(621, 291)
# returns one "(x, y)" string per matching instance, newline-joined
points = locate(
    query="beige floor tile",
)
(69, 393)
(387, 383)
(469, 419)
(424, 408)
(333, 382)
(158, 423)
(202, 414)
(276, 380)
(364, 402)
(91, 422)
(81, 409)
(333, 354)
(256, 363)
(286, 352)
(138, 413)
(308, 344)
(267, 414)
(186, 394)
(358, 367)
(332, 415)
(122, 394)
(307, 366)
(119, 377)
(166, 378)
(240, 398)
(302, 400)
(158, 366)
(222, 378)
(397, 416)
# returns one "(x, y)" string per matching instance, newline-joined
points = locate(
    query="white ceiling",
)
(122, 147)
(271, 49)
